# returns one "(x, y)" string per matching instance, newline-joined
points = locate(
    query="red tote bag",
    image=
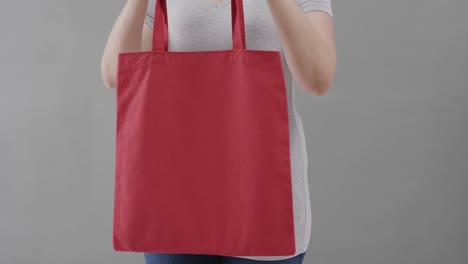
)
(202, 149)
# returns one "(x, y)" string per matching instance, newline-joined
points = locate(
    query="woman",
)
(301, 29)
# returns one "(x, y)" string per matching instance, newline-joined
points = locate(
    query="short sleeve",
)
(312, 5)
(149, 18)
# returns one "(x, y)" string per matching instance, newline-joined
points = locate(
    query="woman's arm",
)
(308, 43)
(125, 36)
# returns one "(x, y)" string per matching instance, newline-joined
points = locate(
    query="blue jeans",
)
(163, 258)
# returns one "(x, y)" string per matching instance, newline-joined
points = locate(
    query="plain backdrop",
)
(388, 144)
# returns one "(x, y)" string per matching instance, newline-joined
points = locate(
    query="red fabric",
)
(202, 149)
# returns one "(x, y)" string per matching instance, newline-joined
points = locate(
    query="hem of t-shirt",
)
(268, 258)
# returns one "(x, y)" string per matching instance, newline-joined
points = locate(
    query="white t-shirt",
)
(205, 25)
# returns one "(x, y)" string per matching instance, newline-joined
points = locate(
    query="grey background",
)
(387, 145)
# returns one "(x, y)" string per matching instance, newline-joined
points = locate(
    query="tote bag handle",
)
(161, 31)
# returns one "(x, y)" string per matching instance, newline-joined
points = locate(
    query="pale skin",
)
(308, 41)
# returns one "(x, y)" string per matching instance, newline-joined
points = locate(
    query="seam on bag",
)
(158, 57)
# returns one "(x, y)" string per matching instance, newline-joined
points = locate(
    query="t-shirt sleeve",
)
(149, 18)
(312, 5)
